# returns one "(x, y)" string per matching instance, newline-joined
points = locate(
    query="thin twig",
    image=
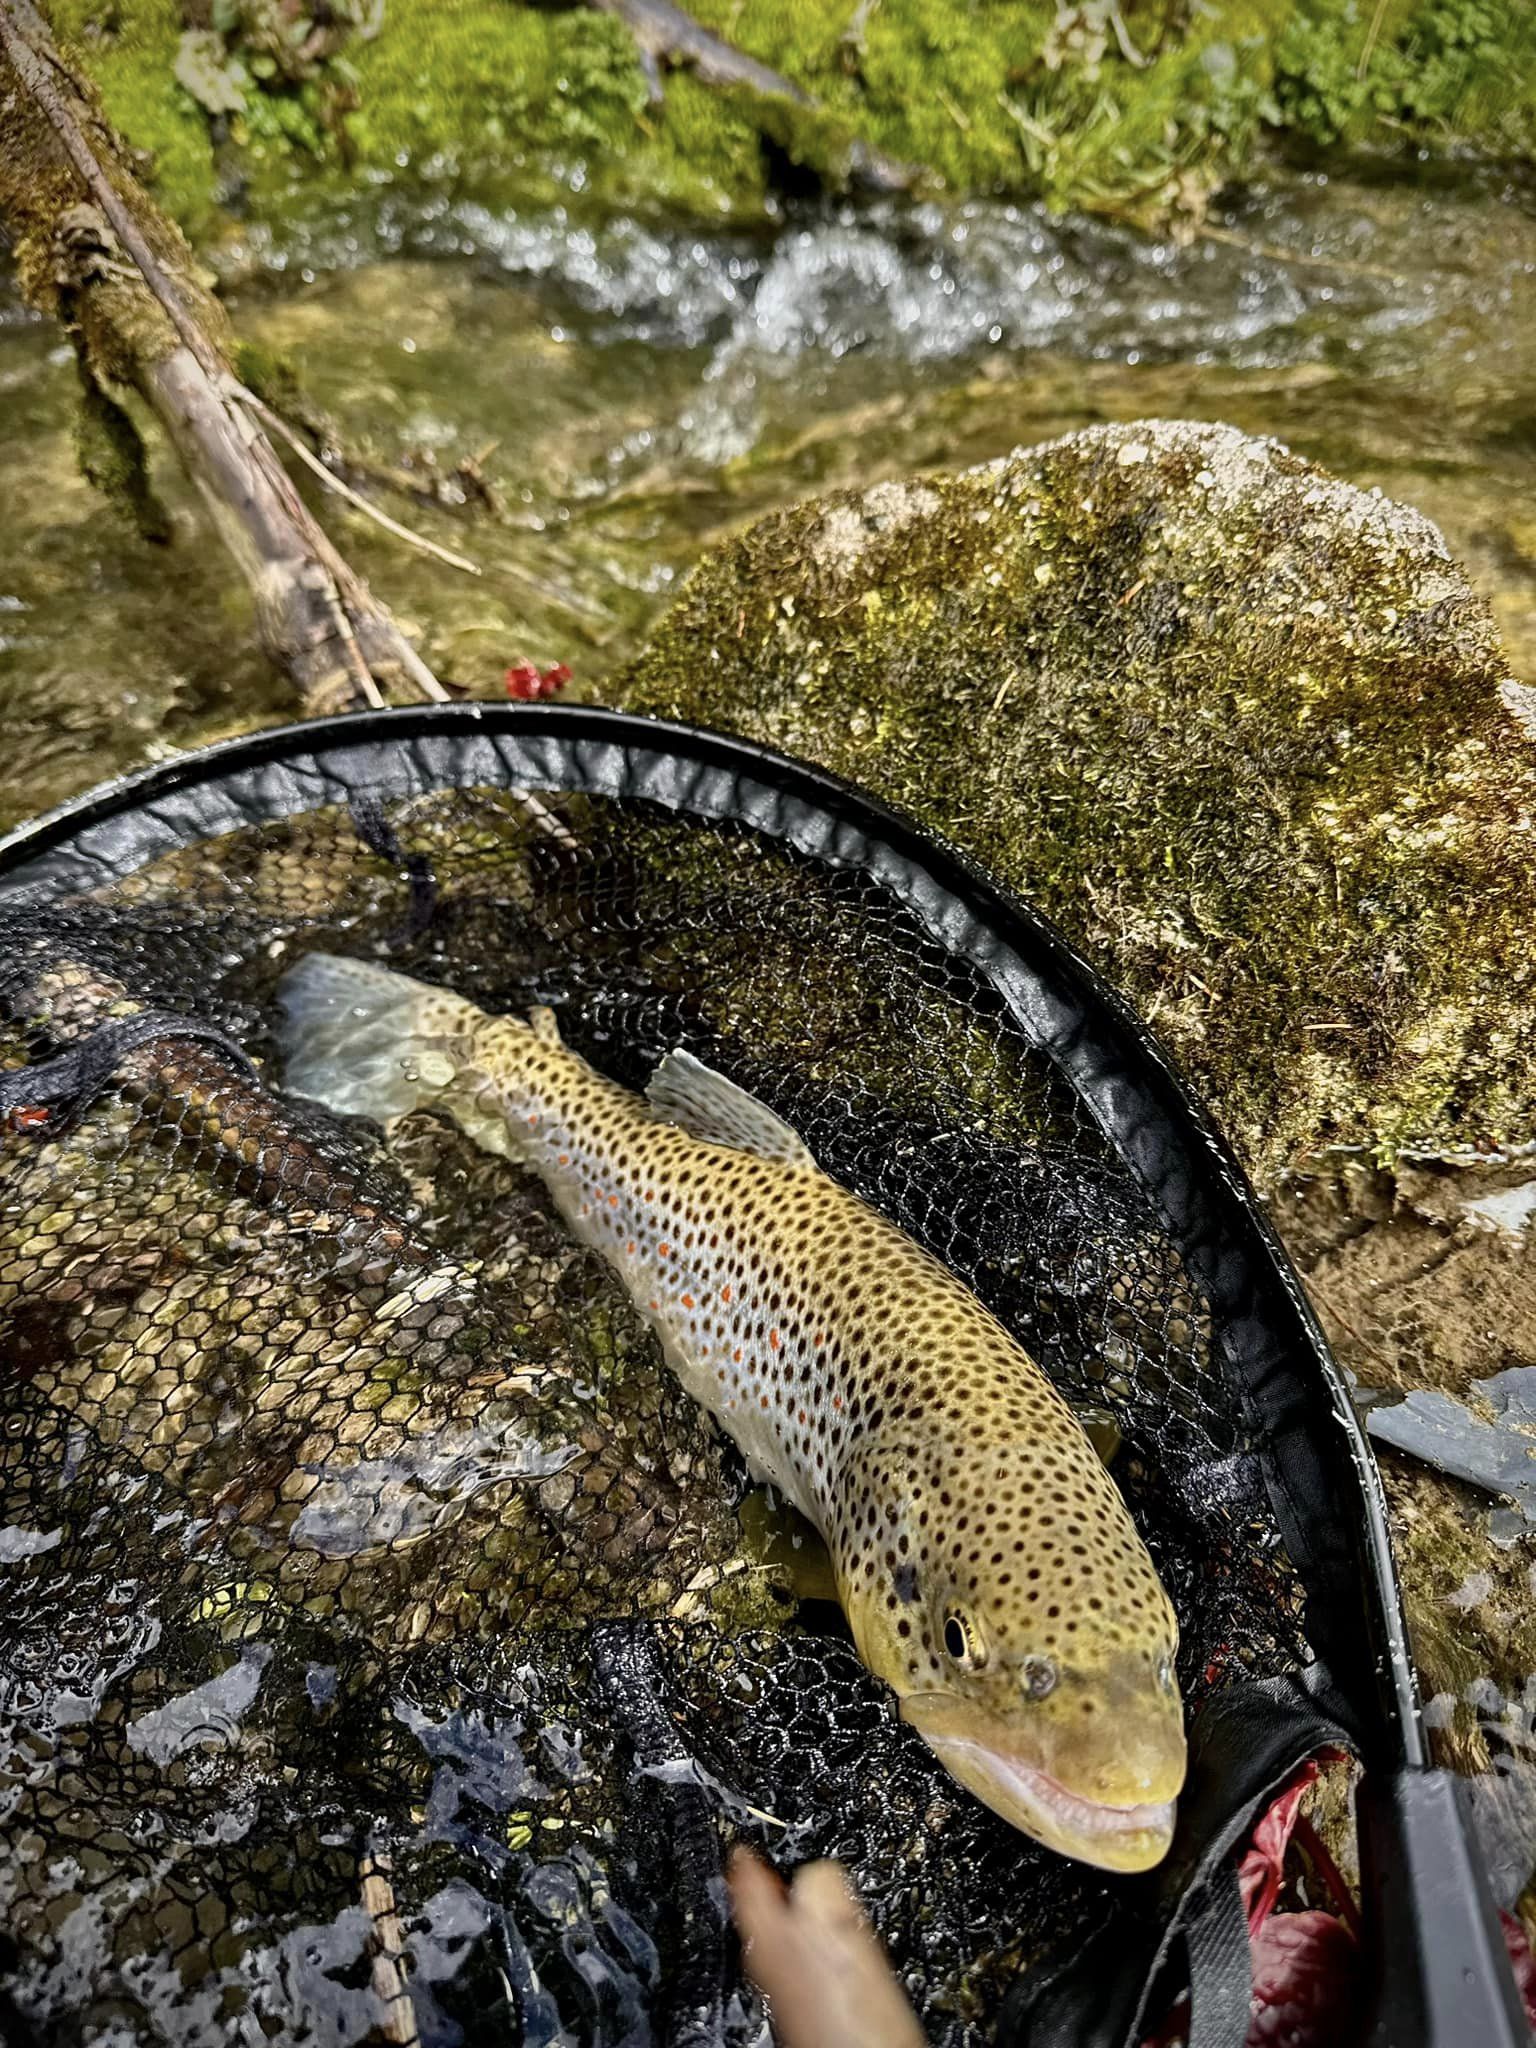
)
(398, 2024)
(33, 64)
(276, 424)
(357, 665)
(419, 673)
(1128, 49)
(1368, 48)
(1274, 253)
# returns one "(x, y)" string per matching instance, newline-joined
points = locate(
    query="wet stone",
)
(1244, 739)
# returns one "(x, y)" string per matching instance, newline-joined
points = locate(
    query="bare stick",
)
(418, 672)
(332, 482)
(666, 35)
(120, 278)
(398, 2024)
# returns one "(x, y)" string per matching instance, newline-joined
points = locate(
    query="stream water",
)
(642, 389)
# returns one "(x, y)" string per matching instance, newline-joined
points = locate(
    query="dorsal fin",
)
(545, 1026)
(704, 1104)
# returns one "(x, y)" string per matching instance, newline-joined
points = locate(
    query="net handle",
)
(1441, 1973)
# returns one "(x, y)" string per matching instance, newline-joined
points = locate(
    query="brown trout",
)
(987, 1564)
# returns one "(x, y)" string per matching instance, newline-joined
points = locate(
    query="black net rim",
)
(1322, 1480)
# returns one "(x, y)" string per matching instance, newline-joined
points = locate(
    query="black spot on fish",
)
(905, 1582)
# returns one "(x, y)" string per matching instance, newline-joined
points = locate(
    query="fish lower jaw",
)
(1124, 1838)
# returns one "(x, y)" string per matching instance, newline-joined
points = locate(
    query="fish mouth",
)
(1123, 1838)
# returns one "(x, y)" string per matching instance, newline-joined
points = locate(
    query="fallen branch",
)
(665, 35)
(93, 251)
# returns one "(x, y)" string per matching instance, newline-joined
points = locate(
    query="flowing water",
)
(641, 389)
(634, 390)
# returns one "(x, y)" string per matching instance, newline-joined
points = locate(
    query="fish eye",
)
(1039, 1675)
(962, 1639)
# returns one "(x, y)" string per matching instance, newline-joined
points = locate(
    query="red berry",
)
(524, 682)
(555, 678)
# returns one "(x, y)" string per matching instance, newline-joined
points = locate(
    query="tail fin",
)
(369, 1042)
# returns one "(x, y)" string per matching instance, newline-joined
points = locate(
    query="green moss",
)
(270, 375)
(1439, 70)
(977, 94)
(486, 77)
(130, 52)
(1237, 727)
(977, 98)
(113, 459)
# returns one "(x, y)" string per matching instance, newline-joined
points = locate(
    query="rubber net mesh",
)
(391, 1650)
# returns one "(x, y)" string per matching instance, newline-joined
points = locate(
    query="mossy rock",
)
(1244, 731)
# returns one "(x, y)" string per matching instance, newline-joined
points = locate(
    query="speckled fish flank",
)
(986, 1561)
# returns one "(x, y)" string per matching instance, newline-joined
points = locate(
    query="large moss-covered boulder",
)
(1243, 730)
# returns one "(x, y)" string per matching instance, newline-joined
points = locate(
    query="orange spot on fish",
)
(773, 1340)
(819, 1340)
(725, 1294)
(532, 1121)
(565, 1158)
(662, 1251)
(687, 1301)
(613, 1201)
(630, 1248)
(736, 1354)
(837, 1400)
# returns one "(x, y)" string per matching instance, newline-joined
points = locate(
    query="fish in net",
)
(394, 1648)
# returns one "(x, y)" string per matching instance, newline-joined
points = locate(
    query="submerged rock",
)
(1243, 730)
